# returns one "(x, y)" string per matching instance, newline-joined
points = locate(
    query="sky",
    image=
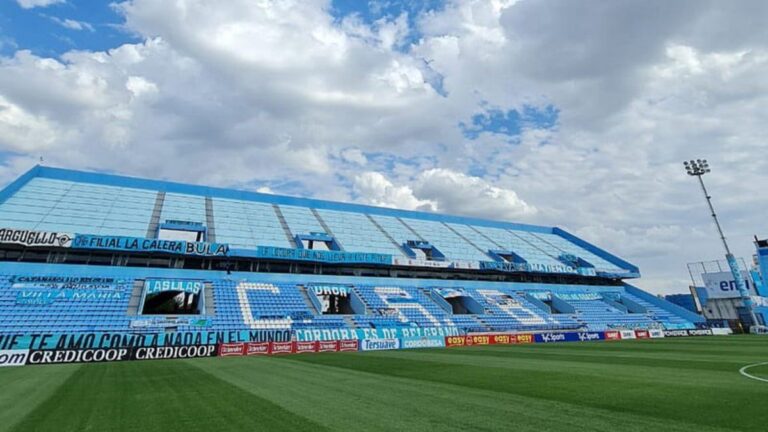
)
(564, 113)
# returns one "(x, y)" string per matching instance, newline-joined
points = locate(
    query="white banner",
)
(721, 285)
(628, 334)
(35, 238)
(13, 357)
(656, 333)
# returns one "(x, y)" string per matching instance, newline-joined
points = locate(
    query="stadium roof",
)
(54, 199)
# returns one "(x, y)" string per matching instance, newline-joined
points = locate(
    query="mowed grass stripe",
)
(22, 389)
(612, 387)
(155, 396)
(346, 399)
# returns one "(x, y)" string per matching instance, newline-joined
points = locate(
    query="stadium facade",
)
(97, 267)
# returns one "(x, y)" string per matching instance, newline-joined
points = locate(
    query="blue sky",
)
(543, 112)
(53, 30)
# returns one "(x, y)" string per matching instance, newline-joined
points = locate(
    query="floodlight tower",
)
(698, 168)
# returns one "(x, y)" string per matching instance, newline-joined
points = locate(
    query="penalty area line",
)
(743, 371)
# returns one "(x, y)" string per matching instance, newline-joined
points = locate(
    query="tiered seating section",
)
(250, 304)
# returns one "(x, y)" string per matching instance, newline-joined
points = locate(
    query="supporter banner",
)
(165, 322)
(349, 345)
(47, 296)
(63, 282)
(257, 348)
(231, 349)
(139, 244)
(415, 262)
(675, 333)
(656, 333)
(506, 267)
(176, 352)
(700, 332)
(269, 252)
(37, 341)
(35, 238)
(334, 290)
(306, 347)
(455, 341)
(282, 348)
(154, 286)
(423, 342)
(612, 335)
(97, 355)
(722, 284)
(627, 334)
(328, 346)
(379, 344)
(10, 358)
(370, 333)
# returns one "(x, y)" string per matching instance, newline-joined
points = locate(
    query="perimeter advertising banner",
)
(10, 358)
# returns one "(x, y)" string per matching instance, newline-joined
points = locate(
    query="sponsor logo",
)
(282, 347)
(328, 346)
(348, 345)
(642, 334)
(257, 348)
(305, 347)
(590, 336)
(700, 332)
(478, 340)
(453, 341)
(78, 356)
(13, 357)
(612, 335)
(176, 352)
(424, 343)
(231, 349)
(656, 333)
(675, 333)
(380, 344)
(523, 339)
(552, 337)
(627, 334)
(502, 339)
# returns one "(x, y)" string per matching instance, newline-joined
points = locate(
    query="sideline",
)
(743, 371)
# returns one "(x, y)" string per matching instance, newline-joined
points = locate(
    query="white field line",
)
(743, 371)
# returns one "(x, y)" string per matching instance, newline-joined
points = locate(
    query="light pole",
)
(698, 168)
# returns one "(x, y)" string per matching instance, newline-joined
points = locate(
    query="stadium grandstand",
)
(91, 260)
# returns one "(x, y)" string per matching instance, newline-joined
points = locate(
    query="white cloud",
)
(72, 24)
(29, 4)
(281, 93)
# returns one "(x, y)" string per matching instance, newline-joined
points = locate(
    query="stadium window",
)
(182, 230)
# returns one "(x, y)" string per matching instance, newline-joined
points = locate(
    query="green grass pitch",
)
(686, 384)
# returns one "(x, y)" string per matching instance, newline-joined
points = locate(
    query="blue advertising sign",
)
(422, 342)
(569, 337)
(138, 244)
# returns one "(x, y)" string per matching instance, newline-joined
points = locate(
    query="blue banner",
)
(422, 342)
(568, 337)
(308, 335)
(270, 252)
(161, 285)
(138, 244)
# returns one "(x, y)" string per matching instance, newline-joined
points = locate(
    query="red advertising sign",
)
(642, 334)
(524, 338)
(306, 347)
(231, 349)
(612, 335)
(348, 345)
(328, 346)
(283, 348)
(257, 348)
(502, 339)
(454, 341)
(478, 340)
